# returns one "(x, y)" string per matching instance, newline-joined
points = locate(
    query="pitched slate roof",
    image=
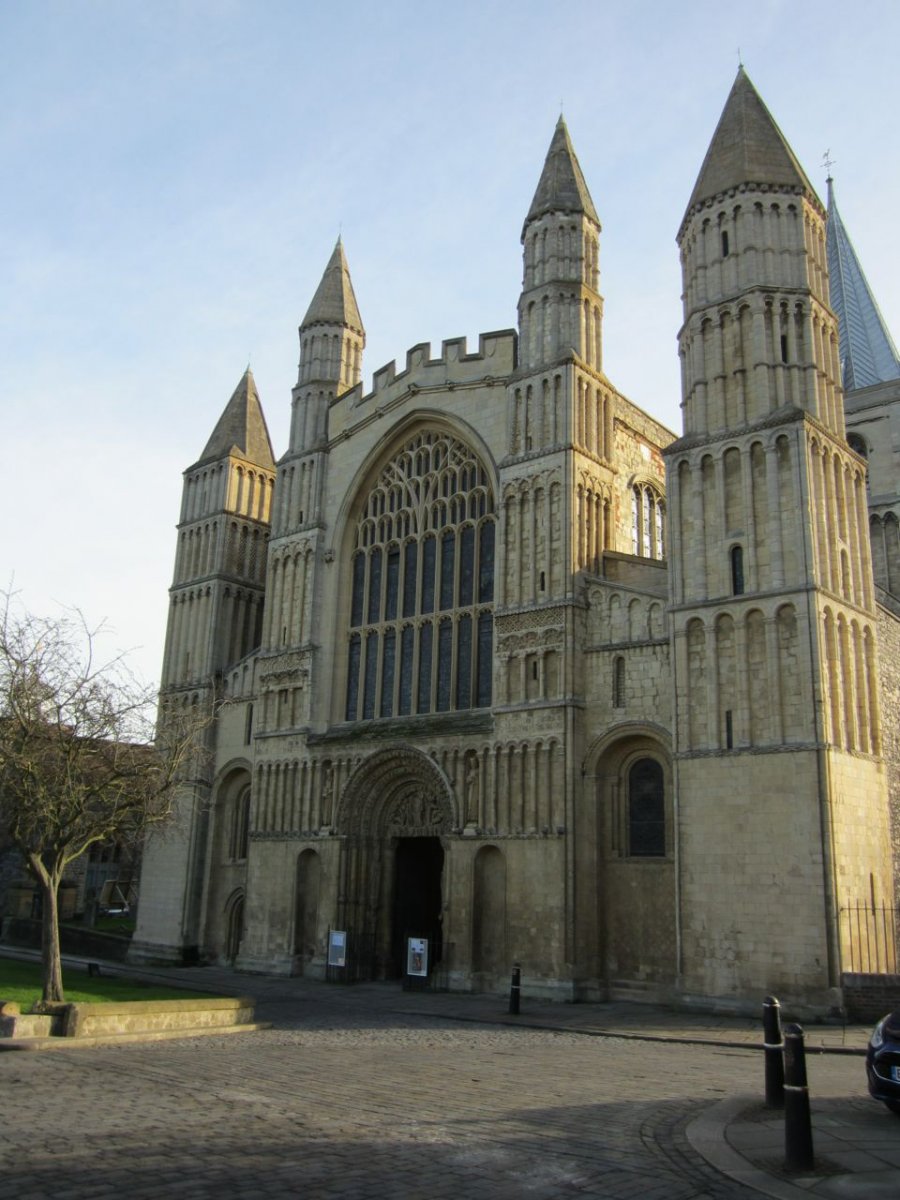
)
(242, 429)
(747, 147)
(334, 302)
(561, 187)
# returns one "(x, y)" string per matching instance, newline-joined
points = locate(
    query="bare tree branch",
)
(84, 758)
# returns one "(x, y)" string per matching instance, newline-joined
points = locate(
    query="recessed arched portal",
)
(394, 816)
(417, 899)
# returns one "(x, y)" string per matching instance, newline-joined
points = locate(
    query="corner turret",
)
(560, 310)
(332, 339)
(220, 567)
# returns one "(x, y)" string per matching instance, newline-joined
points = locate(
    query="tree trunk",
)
(50, 956)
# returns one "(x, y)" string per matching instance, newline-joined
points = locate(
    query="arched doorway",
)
(635, 900)
(394, 815)
(417, 900)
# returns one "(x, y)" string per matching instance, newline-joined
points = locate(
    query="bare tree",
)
(82, 756)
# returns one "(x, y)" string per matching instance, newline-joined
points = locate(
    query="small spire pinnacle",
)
(561, 187)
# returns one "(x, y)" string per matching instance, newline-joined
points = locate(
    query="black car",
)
(883, 1061)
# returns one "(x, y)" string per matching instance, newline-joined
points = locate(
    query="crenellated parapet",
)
(455, 367)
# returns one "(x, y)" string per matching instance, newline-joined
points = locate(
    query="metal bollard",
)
(515, 989)
(798, 1142)
(773, 1047)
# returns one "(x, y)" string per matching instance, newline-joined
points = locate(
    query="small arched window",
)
(646, 810)
(618, 698)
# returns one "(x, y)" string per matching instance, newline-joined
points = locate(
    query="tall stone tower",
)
(220, 567)
(556, 483)
(215, 615)
(292, 691)
(782, 816)
(332, 339)
(560, 405)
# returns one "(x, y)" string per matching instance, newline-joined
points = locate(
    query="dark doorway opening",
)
(418, 863)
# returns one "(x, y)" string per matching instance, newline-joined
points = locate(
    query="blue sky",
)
(176, 175)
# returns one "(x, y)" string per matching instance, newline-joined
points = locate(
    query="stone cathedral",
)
(501, 662)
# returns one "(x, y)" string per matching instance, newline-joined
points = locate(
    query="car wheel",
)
(894, 1106)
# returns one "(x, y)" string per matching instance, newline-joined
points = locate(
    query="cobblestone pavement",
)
(348, 1097)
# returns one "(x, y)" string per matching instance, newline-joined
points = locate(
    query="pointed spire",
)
(868, 353)
(242, 429)
(561, 187)
(747, 147)
(334, 302)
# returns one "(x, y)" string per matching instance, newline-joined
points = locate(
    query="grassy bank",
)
(21, 981)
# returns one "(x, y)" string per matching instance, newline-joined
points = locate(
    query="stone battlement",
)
(495, 357)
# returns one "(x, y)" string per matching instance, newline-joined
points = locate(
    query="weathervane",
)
(828, 162)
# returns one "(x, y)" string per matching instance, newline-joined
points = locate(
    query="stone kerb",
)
(131, 1020)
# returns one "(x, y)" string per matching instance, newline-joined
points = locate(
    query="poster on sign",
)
(417, 956)
(337, 948)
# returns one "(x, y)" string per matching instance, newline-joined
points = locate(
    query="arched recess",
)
(489, 958)
(394, 816)
(228, 851)
(306, 912)
(635, 845)
(234, 925)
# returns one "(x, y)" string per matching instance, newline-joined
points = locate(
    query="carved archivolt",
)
(284, 668)
(532, 639)
(399, 792)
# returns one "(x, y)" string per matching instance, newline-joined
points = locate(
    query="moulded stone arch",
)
(397, 790)
(635, 932)
(391, 444)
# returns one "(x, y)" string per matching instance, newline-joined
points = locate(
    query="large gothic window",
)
(422, 585)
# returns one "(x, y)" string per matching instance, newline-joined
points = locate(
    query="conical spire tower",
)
(771, 597)
(332, 336)
(747, 148)
(242, 429)
(868, 353)
(560, 309)
(220, 567)
(759, 335)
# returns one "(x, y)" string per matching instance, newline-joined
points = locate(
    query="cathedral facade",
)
(500, 662)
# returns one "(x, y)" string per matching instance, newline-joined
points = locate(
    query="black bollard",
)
(515, 989)
(798, 1141)
(773, 1047)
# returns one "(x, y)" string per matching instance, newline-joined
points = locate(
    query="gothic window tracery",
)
(422, 585)
(648, 522)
